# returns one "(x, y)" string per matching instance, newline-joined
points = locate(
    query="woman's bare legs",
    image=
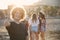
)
(34, 35)
(37, 36)
(43, 35)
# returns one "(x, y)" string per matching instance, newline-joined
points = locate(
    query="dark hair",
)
(42, 15)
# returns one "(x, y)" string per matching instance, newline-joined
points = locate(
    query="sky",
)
(4, 3)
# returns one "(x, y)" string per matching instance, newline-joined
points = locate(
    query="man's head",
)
(17, 14)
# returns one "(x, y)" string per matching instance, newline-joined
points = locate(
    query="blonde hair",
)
(34, 17)
(21, 10)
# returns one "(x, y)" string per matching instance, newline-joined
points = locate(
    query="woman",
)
(43, 25)
(17, 29)
(34, 26)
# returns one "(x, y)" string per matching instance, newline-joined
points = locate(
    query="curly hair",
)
(20, 10)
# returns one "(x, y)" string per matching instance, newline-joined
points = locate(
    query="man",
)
(17, 29)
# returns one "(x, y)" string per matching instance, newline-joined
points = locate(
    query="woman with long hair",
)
(33, 26)
(43, 25)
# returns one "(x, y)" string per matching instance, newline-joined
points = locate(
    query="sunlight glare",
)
(5, 3)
